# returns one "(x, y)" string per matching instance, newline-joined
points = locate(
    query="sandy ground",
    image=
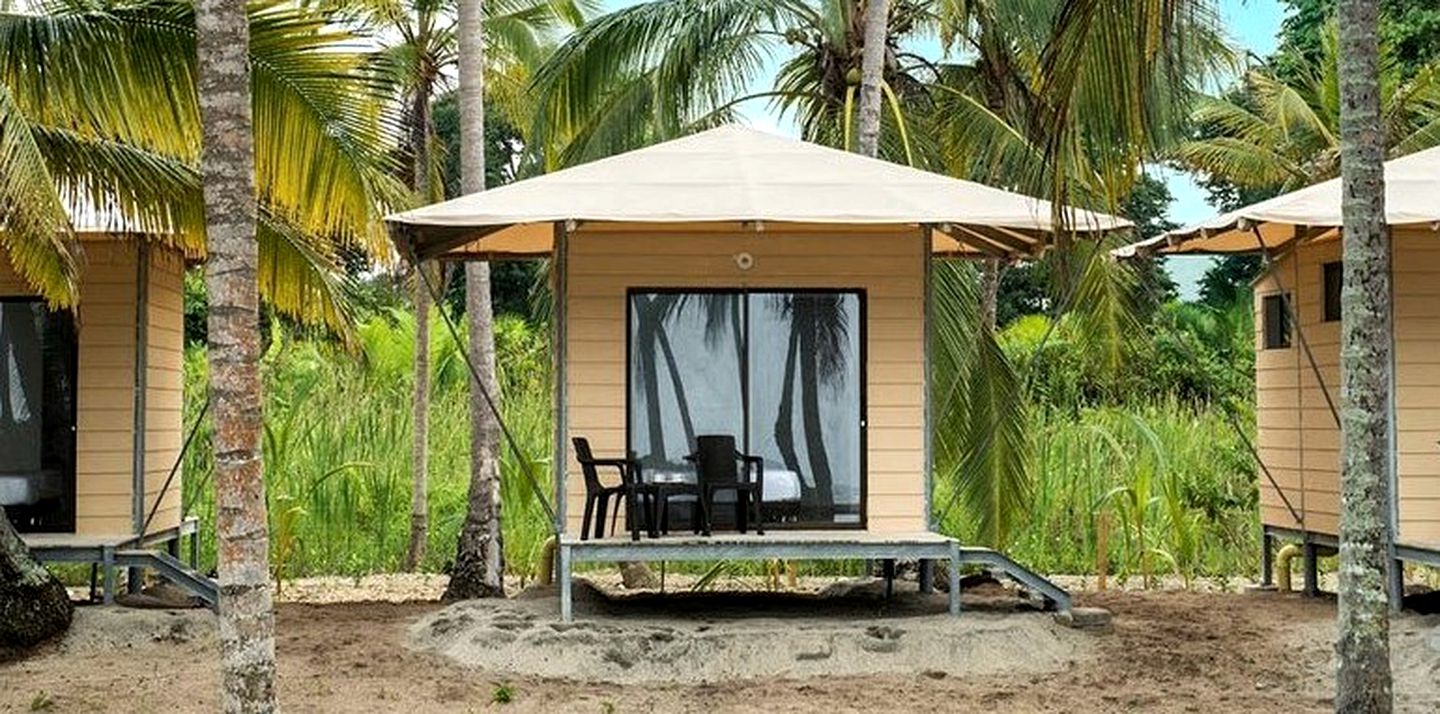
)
(1168, 651)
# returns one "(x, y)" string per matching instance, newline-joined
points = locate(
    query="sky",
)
(1251, 24)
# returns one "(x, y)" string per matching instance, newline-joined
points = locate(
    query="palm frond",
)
(34, 229)
(982, 448)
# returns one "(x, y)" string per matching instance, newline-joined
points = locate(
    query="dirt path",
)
(1171, 651)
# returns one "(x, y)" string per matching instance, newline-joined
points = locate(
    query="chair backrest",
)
(716, 459)
(587, 463)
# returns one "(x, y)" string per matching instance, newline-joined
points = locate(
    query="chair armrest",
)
(617, 463)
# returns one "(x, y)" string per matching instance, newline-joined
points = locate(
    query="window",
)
(37, 416)
(1334, 280)
(1276, 320)
(781, 371)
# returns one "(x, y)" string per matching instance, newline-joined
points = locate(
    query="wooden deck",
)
(924, 546)
(109, 551)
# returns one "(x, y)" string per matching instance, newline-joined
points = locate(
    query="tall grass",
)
(1177, 483)
(337, 448)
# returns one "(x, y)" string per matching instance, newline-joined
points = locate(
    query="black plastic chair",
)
(720, 467)
(630, 490)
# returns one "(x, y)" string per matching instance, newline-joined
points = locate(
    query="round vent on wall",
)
(744, 261)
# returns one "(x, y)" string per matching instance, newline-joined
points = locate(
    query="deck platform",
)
(125, 550)
(798, 545)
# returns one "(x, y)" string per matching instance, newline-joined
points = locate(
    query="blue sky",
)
(1251, 24)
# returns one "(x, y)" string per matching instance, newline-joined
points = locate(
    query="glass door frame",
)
(863, 319)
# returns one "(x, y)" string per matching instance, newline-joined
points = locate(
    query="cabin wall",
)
(164, 399)
(889, 266)
(1298, 438)
(1417, 381)
(106, 331)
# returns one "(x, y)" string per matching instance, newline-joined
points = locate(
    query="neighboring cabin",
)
(1298, 438)
(1297, 353)
(91, 399)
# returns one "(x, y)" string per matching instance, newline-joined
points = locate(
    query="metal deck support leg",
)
(1312, 570)
(927, 576)
(195, 550)
(888, 567)
(1267, 559)
(1397, 585)
(107, 563)
(565, 605)
(954, 579)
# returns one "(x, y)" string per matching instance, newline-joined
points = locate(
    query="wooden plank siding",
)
(1417, 384)
(1298, 439)
(603, 263)
(164, 399)
(105, 323)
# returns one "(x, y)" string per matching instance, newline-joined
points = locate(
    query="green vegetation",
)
(1148, 443)
(336, 441)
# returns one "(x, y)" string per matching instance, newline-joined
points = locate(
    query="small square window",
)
(1334, 276)
(1276, 322)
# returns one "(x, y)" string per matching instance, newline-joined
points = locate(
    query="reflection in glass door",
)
(782, 371)
(805, 398)
(37, 416)
(685, 373)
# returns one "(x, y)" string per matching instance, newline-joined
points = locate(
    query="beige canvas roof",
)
(1412, 197)
(735, 174)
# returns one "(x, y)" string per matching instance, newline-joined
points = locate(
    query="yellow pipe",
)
(546, 572)
(1282, 566)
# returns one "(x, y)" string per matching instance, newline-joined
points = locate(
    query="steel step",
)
(170, 568)
(1056, 596)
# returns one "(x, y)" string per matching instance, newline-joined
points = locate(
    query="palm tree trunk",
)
(420, 446)
(872, 75)
(990, 292)
(33, 604)
(227, 169)
(480, 556)
(1363, 645)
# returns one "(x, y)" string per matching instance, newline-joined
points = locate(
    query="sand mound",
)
(694, 639)
(103, 629)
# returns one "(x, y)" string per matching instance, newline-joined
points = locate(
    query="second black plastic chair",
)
(721, 467)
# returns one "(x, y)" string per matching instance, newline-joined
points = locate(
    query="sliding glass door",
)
(781, 371)
(37, 416)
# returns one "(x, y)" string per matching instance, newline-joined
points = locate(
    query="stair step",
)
(170, 568)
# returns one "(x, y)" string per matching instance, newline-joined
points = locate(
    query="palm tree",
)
(34, 605)
(873, 51)
(417, 63)
(665, 68)
(1275, 137)
(1363, 645)
(227, 164)
(121, 133)
(479, 556)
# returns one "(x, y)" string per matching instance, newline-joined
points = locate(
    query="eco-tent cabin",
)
(91, 404)
(1297, 353)
(740, 283)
